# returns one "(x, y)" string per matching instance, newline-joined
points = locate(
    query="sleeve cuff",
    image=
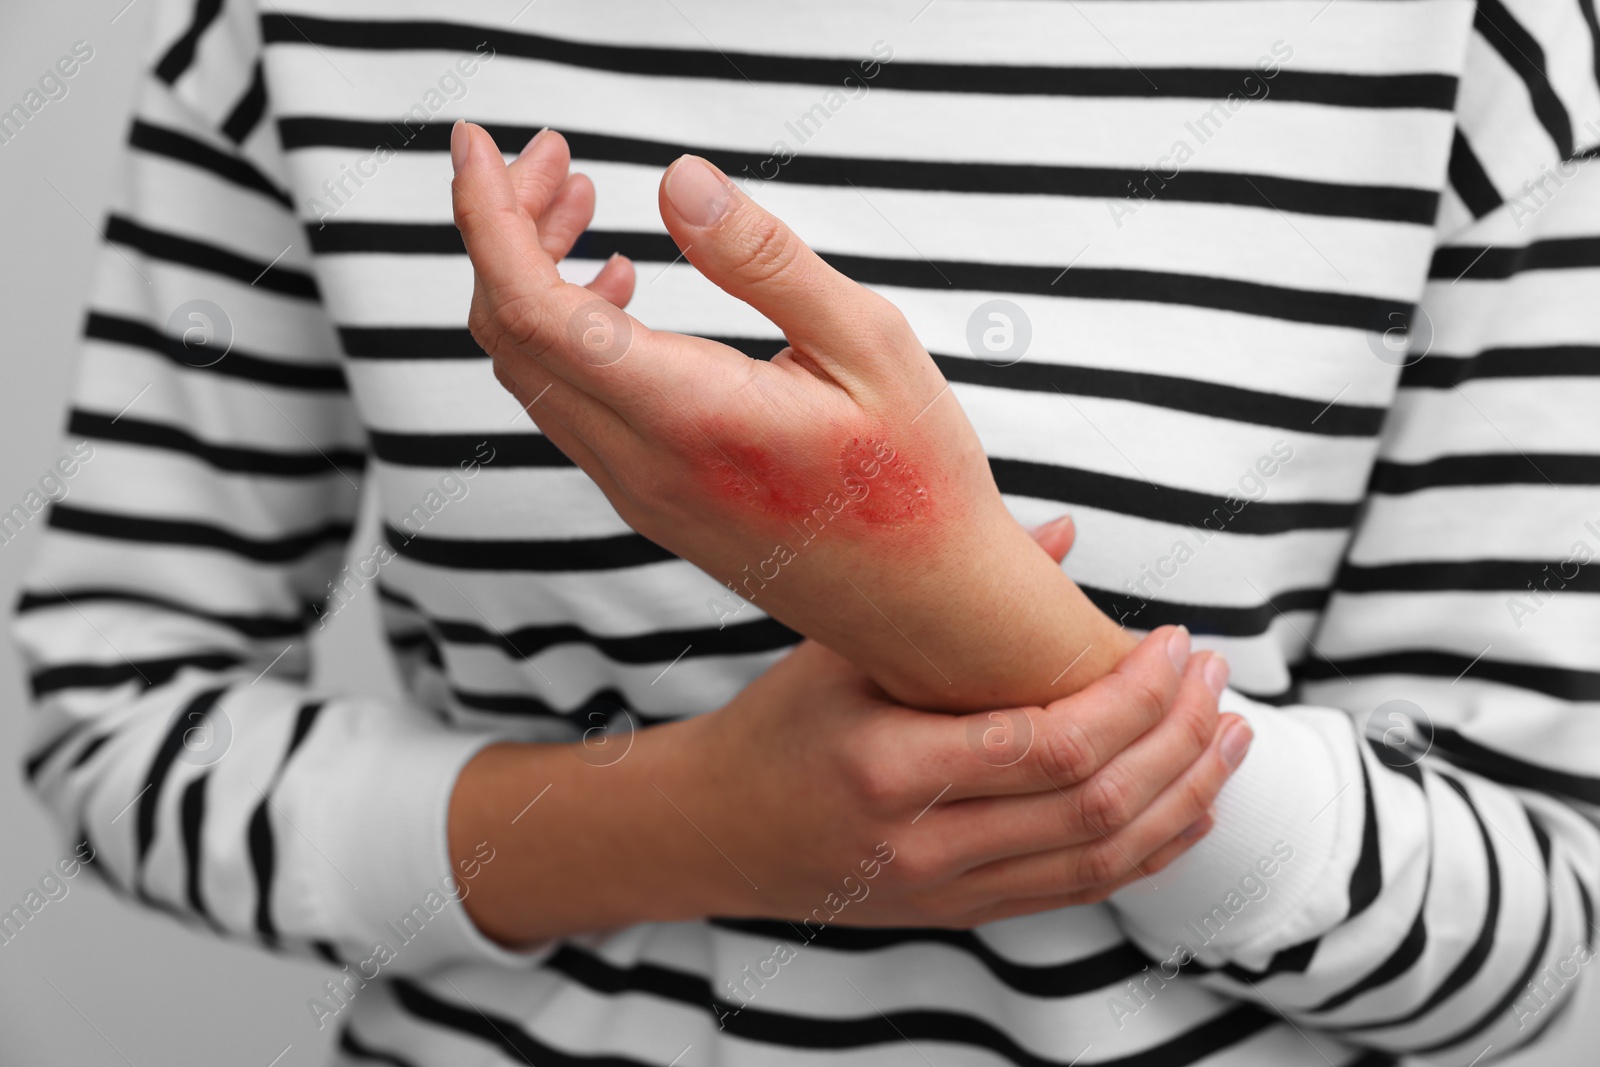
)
(1275, 869)
(383, 820)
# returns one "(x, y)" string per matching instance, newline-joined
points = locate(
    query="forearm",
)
(583, 846)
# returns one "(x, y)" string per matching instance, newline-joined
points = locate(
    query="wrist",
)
(1009, 628)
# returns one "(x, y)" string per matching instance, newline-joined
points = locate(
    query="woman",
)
(1165, 262)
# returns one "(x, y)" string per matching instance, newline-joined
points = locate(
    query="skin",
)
(983, 816)
(730, 462)
(723, 460)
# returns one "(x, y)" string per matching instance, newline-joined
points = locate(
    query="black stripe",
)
(248, 111)
(1348, 310)
(248, 625)
(1157, 390)
(1470, 963)
(1509, 770)
(1493, 1015)
(1373, 1058)
(191, 716)
(304, 719)
(601, 708)
(289, 548)
(236, 364)
(35, 762)
(1523, 55)
(1107, 968)
(214, 259)
(193, 815)
(161, 141)
(1495, 264)
(147, 672)
(1382, 203)
(1402, 959)
(1547, 361)
(231, 458)
(88, 751)
(262, 846)
(757, 1024)
(1366, 881)
(409, 342)
(1469, 179)
(1567, 683)
(757, 635)
(263, 860)
(453, 449)
(585, 554)
(1296, 959)
(1167, 391)
(1472, 575)
(1137, 498)
(1221, 620)
(358, 1049)
(1520, 468)
(1428, 91)
(181, 55)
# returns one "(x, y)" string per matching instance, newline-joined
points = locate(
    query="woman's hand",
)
(810, 789)
(839, 487)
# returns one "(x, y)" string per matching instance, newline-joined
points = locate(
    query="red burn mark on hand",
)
(884, 489)
(872, 485)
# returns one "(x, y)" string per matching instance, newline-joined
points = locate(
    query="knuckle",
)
(1147, 701)
(1200, 723)
(875, 780)
(1100, 864)
(768, 250)
(920, 865)
(1066, 753)
(1107, 802)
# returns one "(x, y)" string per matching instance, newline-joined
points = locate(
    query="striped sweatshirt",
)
(1293, 304)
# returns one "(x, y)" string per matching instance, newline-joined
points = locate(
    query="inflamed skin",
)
(874, 485)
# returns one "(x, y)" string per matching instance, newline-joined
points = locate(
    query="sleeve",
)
(1412, 865)
(204, 499)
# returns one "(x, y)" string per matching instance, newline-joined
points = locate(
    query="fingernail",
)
(535, 139)
(1197, 829)
(1235, 743)
(1065, 520)
(1216, 675)
(458, 144)
(697, 191)
(1178, 648)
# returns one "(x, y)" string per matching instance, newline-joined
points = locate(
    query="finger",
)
(1055, 537)
(567, 215)
(540, 171)
(615, 281)
(755, 257)
(994, 911)
(1110, 860)
(501, 239)
(531, 316)
(1026, 751)
(985, 829)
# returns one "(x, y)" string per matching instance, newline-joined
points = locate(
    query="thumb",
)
(1055, 536)
(753, 256)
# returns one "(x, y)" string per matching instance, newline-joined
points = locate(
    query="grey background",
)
(91, 980)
